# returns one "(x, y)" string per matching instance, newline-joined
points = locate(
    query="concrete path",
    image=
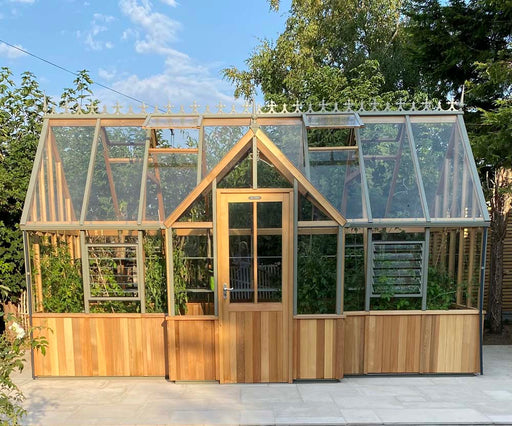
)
(483, 399)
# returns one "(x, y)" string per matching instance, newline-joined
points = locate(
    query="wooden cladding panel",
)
(450, 344)
(353, 354)
(412, 342)
(392, 344)
(192, 349)
(256, 351)
(318, 348)
(80, 345)
(200, 309)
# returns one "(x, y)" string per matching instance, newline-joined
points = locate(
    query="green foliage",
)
(14, 344)
(21, 106)
(62, 281)
(156, 284)
(79, 98)
(181, 276)
(316, 275)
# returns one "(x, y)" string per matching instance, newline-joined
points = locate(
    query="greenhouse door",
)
(254, 241)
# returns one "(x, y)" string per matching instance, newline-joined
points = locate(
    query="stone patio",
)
(408, 400)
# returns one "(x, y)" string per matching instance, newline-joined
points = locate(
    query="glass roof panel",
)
(218, 140)
(289, 138)
(333, 121)
(392, 184)
(117, 176)
(449, 188)
(60, 184)
(336, 174)
(170, 178)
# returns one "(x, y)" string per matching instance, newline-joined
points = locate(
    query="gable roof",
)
(275, 156)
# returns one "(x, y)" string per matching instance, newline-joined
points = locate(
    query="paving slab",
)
(371, 400)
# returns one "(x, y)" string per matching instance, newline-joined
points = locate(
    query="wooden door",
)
(254, 241)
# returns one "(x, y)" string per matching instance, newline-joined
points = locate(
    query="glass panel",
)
(240, 176)
(445, 170)
(336, 174)
(270, 256)
(177, 138)
(74, 149)
(390, 174)
(174, 122)
(117, 176)
(241, 251)
(269, 176)
(308, 211)
(60, 184)
(333, 120)
(193, 273)
(354, 272)
(330, 137)
(199, 211)
(113, 271)
(290, 140)
(170, 178)
(155, 273)
(316, 274)
(218, 140)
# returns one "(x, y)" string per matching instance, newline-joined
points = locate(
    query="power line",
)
(74, 73)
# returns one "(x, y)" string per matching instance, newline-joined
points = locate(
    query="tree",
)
(331, 50)
(492, 144)
(21, 110)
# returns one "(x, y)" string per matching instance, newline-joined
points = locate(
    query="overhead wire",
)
(74, 73)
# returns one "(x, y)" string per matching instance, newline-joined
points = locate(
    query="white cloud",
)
(106, 74)
(159, 30)
(10, 52)
(172, 3)
(99, 25)
(181, 79)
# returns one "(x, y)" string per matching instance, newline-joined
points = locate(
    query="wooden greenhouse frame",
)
(267, 245)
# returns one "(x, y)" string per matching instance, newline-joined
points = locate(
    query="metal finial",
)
(130, 109)
(169, 108)
(207, 109)
(105, 109)
(66, 107)
(297, 106)
(452, 104)
(335, 107)
(413, 106)
(374, 104)
(247, 107)
(143, 108)
(388, 106)
(426, 105)
(45, 104)
(233, 109)
(439, 106)
(272, 106)
(348, 105)
(194, 107)
(310, 108)
(400, 104)
(361, 106)
(285, 110)
(182, 110)
(220, 107)
(322, 106)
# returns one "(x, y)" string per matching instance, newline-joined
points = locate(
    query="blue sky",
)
(157, 51)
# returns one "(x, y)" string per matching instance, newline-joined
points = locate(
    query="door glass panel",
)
(241, 273)
(262, 248)
(270, 261)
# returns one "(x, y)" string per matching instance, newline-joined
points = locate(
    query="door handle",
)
(225, 290)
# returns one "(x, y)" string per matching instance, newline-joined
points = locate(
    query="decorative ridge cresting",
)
(269, 108)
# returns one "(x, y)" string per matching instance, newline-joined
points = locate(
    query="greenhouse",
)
(256, 244)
